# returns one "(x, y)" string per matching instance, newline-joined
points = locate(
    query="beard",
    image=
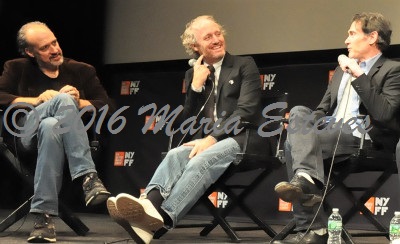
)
(57, 62)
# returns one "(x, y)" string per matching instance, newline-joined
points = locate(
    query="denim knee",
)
(46, 129)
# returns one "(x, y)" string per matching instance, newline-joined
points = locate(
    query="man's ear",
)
(373, 37)
(29, 53)
(195, 48)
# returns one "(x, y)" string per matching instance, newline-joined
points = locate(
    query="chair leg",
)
(358, 204)
(18, 214)
(221, 221)
(260, 223)
(65, 214)
(285, 231)
(346, 236)
(238, 201)
(72, 220)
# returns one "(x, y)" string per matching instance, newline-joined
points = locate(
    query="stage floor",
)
(104, 230)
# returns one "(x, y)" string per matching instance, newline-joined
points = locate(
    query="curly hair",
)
(188, 38)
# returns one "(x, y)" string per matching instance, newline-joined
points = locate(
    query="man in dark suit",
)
(188, 170)
(364, 83)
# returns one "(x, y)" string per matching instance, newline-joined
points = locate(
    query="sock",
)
(307, 176)
(156, 199)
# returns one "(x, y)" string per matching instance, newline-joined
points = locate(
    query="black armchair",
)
(19, 163)
(259, 162)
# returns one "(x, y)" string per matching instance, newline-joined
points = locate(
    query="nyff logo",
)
(219, 199)
(267, 81)
(154, 122)
(123, 158)
(378, 205)
(129, 87)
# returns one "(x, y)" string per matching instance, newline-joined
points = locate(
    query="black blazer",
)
(379, 92)
(239, 94)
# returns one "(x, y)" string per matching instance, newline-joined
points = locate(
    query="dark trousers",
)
(306, 150)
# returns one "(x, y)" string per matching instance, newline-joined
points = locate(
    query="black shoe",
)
(299, 189)
(43, 231)
(94, 190)
(300, 238)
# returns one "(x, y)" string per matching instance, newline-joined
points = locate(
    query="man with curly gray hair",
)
(233, 85)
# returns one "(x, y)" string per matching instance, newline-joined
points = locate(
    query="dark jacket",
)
(23, 78)
(379, 92)
(238, 94)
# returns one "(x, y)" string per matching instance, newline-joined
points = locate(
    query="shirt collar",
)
(370, 62)
(218, 64)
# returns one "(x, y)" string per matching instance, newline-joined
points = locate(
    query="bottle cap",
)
(335, 210)
(397, 213)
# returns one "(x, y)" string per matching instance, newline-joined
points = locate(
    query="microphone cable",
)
(202, 107)
(330, 169)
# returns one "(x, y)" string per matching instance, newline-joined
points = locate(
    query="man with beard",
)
(54, 89)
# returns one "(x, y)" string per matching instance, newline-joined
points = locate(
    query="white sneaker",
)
(137, 234)
(139, 212)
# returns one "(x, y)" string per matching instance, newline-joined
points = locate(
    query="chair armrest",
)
(250, 126)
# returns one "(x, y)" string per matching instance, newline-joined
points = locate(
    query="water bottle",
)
(394, 229)
(335, 227)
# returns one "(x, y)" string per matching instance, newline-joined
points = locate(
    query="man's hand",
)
(71, 91)
(45, 96)
(200, 74)
(200, 145)
(351, 66)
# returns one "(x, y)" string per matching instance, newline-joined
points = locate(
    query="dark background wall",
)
(78, 25)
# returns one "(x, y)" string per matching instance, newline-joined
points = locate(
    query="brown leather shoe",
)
(299, 189)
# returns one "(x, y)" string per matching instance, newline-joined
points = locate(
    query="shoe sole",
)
(112, 210)
(288, 192)
(40, 239)
(98, 198)
(135, 213)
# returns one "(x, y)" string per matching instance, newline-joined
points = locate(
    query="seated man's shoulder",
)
(18, 62)
(247, 61)
(392, 62)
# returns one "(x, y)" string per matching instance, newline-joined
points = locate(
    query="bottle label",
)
(334, 225)
(394, 229)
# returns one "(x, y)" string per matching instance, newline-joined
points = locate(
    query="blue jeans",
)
(182, 181)
(53, 147)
